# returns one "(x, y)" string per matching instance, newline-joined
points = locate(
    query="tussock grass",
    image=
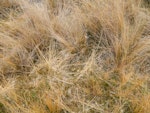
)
(76, 56)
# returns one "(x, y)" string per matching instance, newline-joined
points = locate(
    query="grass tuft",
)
(74, 56)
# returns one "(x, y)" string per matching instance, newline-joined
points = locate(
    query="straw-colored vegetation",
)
(74, 56)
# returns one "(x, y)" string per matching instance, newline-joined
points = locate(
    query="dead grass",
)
(77, 56)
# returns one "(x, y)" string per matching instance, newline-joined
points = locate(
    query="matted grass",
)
(74, 56)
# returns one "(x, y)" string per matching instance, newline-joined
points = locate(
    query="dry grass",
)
(74, 56)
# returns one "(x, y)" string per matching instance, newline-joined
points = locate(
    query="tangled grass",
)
(74, 56)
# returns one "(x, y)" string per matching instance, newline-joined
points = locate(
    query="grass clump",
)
(77, 56)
